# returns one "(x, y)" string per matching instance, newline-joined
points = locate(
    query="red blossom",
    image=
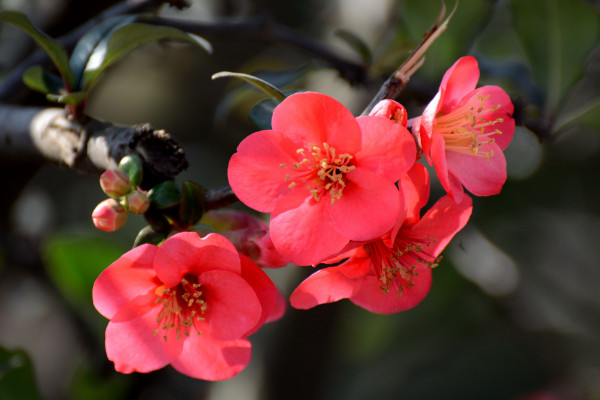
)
(190, 303)
(391, 273)
(326, 177)
(464, 130)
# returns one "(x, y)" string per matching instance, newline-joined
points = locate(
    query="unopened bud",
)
(115, 183)
(391, 110)
(109, 215)
(137, 202)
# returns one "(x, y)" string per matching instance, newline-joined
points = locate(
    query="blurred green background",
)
(514, 311)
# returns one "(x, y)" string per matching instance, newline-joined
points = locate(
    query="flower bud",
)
(137, 202)
(109, 215)
(249, 235)
(115, 183)
(391, 110)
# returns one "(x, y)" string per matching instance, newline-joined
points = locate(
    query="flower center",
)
(464, 128)
(182, 307)
(321, 170)
(397, 266)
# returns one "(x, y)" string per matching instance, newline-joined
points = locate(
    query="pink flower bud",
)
(109, 215)
(138, 202)
(115, 183)
(391, 110)
(249, 235)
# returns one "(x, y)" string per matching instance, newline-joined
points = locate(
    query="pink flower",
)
(326, 177)
(391, 110)
(463, 131)
(247, 233)
(190, 303)
(391, 273)
(109, 215)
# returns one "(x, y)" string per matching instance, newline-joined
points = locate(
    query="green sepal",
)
(132, 165)
(193, 201)
(147, 235)
(164, 195)
(74, 98)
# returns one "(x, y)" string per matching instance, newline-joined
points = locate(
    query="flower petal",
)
(186, 253)
(438, 155)
(133, 346)
(458, 81)
(125, 279)
(368, 207)
(255, 172)
(302, 230)
(316, 118)
(388, 149)
(233, 306)
(329, 284)
(480, 176)
(204, 357)
(443, 221)
(369, 295)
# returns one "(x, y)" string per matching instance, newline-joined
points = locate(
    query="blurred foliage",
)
(17, 380)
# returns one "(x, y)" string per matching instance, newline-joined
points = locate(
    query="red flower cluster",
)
(340, 190)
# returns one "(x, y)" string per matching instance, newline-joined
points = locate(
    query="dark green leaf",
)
(57, 54)
(38, 79)
(126, 39)
(91, 39)
(262, 113)
(265, 86)
(17, 380)
(192, 203)
(132, 165)
(557, 36)
(148, 235)
(357, 44)
(164, 195)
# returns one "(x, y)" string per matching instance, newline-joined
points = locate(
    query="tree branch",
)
(87, 145)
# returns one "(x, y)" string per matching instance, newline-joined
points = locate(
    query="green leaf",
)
(261, 113)
(38, 79)
(357, 44)
(126, 39)
(73, 98)
(148, 235)
(132, 165)
(558, 36)
(91, 39)
(55, 51)
(192, 203)
(74, 262)
(17, 380)
(266, 87)
(164, 195)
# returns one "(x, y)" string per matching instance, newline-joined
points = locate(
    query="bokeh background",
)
(514, 311)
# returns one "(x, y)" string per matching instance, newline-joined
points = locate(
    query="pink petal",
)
(255, 172)
(187, 253)
(125, 279)
(329, 284)
(497, 97)
(132, 345)
(279, 308)
(233, 306)
(368, 207)
(302, 230)
(457, 82)
(414, 194)
(480, 176)
(388, 149)
(315, 118)
(263, 287)
(438, 155)
(369, 295)
(204, 357)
